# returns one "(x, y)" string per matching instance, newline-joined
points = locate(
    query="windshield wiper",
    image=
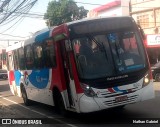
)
(100, 45)
(117, 53)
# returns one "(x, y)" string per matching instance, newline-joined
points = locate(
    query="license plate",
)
(121, 98)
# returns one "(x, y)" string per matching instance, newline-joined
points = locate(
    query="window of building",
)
(157, 17)
(29, 57)
(146, 19)
(49, 53)
(143, 21)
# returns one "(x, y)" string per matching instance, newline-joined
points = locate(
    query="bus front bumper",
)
(90, 104)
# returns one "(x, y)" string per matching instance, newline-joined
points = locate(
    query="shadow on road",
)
(4, 87)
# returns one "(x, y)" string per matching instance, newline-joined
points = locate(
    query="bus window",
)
(38, 56)
(15, 60)
(21, 58)
(49, 53)
(10, 62)
(29, 57)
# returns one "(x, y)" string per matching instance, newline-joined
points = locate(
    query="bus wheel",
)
(27, 102)
(59, 103)
(157, 77)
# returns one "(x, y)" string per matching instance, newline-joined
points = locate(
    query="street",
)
(13, 107)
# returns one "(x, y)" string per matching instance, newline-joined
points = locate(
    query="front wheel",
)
(27, 102)
(157, 77)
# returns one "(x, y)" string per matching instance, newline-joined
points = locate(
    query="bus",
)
(82, 66)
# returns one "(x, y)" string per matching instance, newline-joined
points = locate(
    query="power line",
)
(121, 6)
(26, 10)
(12, 35)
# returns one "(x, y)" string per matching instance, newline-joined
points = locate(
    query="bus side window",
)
(29, 57)
(38, 56)
(15, 60)
(49, 53)
(10, 62)
(21, 58)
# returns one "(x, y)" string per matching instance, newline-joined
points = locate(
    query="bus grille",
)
(113, 102)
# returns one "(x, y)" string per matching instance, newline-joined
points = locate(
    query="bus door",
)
(68, 76)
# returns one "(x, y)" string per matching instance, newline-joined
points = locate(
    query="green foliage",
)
(62, 11)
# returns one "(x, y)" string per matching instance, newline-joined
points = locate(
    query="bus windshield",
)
(111, 54)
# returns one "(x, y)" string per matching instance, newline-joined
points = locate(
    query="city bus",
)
(82, 66)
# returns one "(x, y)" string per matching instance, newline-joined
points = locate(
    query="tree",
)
(62, 11)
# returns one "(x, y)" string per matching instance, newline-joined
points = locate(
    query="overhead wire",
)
(12, 35)
(21, 19)
(12, 11)
(22, 13)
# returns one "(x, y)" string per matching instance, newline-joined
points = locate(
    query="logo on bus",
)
(118, 77)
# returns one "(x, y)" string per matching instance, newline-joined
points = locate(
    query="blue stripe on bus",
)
(136, 66)
(41, 37)
(118, 90)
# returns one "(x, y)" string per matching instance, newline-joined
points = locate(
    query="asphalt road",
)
(13, 107)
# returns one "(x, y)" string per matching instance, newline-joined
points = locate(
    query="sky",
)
(31, 25)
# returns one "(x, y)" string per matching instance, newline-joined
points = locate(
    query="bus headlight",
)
(88, 90)
(146, 79)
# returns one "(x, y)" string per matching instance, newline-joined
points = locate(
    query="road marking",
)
(51, 117)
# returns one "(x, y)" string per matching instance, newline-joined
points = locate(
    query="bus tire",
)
(157, 77)
(26, 101)
(59, 103)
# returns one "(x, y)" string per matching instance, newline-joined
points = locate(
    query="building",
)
(147, 14)
(113, 8)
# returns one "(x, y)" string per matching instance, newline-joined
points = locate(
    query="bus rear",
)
(111, 63)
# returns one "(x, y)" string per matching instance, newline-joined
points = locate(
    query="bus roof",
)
(39, 36)
(96, 18)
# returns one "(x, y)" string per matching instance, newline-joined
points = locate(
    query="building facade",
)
(113, 8)
(147, 14)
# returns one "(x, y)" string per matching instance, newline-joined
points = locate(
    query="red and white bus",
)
(82, 66)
